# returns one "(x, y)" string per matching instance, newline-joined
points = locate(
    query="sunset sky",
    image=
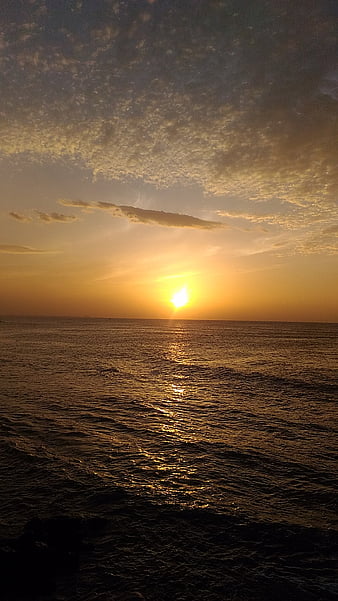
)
(152, 145)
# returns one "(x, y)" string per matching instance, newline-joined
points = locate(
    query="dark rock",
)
(31, 564)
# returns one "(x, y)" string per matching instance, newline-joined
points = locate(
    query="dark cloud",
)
(238, 97)
(163, 218)
(58, 217)
(14, 249)
(147, 216)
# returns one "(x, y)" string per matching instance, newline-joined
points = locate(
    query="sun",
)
(180, 298)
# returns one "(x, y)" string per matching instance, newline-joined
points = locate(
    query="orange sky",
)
(145, 148)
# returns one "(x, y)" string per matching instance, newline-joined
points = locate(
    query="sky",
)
(152, 145)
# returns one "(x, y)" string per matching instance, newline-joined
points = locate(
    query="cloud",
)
(253, 217)
(318, 245)
(177, 276)
(48, 217)
(19, 216)
(162, 218)
(321, 241)
(333, 229)
(289, 217)
(14, 249)
(146, 216)
(81, 204)
(58, 217)
(243, 102)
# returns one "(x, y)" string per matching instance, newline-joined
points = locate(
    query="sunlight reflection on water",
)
(173, 410)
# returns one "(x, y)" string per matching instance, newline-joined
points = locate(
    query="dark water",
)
(209, 449)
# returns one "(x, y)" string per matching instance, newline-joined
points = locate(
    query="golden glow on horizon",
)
(180, 298)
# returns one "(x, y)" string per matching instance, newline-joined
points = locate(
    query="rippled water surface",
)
(231, 420)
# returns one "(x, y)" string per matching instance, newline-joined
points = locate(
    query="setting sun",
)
(180, 298)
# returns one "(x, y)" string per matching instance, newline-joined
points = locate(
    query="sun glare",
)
(180, 298)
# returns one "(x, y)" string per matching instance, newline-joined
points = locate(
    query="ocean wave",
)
(122, 543)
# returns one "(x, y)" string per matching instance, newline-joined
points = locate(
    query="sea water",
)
(220, 438)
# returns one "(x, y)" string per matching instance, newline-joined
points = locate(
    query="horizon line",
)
(169, 318)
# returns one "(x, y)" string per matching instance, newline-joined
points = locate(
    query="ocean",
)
(185, 460)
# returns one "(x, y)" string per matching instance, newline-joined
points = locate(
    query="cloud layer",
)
(239, 98)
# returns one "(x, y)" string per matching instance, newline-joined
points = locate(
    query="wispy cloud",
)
(252, 217)
(14, 249)
(177, 276)
(333, 229)
(19, 216)
(289, 217)
(325, 240)
(147, 216)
